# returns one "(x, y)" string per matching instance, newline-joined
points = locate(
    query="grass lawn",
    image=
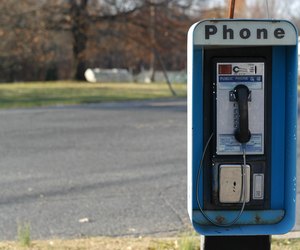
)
(35, 94)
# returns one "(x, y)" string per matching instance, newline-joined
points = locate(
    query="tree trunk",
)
(79, 32)
(153, 42)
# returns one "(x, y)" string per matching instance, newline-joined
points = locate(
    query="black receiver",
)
(242, 93)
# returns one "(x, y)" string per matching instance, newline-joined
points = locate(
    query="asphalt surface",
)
(108, 169)
(111, 169)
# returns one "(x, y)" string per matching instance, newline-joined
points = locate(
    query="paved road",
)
(107, 169)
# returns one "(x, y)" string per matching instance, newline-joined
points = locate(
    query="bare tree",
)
(159, 30)
(24, 39)
(80, 17)
(60, 36)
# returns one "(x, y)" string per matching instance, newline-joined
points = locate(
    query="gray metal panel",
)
(245, 32)
(231, 183)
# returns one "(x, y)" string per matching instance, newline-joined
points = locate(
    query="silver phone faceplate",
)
(229, 75)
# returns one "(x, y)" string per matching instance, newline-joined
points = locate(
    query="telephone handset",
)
(242, 133)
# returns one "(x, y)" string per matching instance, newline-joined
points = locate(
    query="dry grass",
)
(100, 243)
(123, 243)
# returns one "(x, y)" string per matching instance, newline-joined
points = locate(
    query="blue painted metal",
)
(278, 126)
(291, 136)
(281, 217)
(252, 217)
(197, 119)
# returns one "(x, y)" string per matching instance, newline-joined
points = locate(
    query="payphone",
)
(242, 116)
(238, 98)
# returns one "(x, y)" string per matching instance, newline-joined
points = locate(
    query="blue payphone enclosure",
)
(280, 218)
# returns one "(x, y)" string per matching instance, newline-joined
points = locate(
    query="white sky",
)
(277, 8)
